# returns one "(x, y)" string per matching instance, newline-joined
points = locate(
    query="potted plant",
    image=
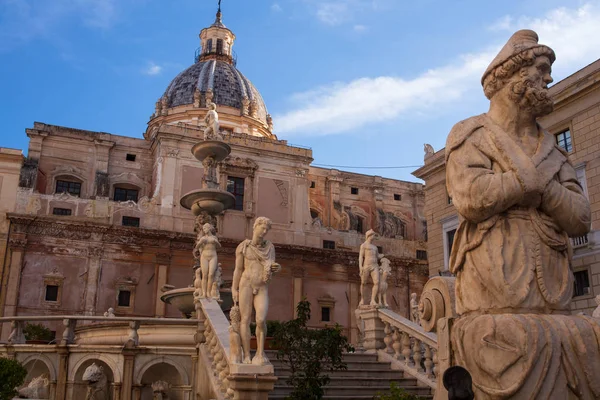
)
(37, 334)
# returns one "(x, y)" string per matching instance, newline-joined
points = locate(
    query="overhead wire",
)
(367, 167)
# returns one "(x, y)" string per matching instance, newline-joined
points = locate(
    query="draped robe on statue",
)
(511, 257)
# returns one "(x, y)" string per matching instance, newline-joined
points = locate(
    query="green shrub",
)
(38, 332)
(309, 353)
(12, 375)
(396, 393)
(271, 327)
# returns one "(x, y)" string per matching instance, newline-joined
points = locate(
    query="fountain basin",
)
(211, 148)
(213, 201)
(183, 299)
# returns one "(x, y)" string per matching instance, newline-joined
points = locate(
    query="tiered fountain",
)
(205, 203)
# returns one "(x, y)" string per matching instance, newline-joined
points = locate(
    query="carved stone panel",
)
(29, 171)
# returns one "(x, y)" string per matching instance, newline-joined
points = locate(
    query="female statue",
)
(206, 250)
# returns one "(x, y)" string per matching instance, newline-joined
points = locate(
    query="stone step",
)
(356, 390)
(363, 381)
(355, 397)
(383, 372)
(351, 365)
(348, 357)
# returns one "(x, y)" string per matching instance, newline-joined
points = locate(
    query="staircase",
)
(364, 378)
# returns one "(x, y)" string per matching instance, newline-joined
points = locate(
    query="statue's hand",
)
(275, 267)
(235, 295)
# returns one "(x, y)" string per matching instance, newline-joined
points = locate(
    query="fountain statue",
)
(97, 383)
(384, 271)
(254, 266)
(38, 388)
(520, 200)
(368, 266)
(206, 251)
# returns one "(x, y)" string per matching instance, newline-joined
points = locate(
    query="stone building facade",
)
(93, 220)
(575, 122)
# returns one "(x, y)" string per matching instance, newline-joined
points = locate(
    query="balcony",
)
(580, 241)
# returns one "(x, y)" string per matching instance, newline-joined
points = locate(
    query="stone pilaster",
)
(61, 380)
(101, 183)
(10, 291)
(93, 275)
(127, 379)
(444, 355)
(251, 387)
(374, 334)
(163, 261)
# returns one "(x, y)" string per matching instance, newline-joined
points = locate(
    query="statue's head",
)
(413, 296)
(598, 299)
(208, 229)
(371, 234)
(212, 106)
(262, 225)
(521, 71)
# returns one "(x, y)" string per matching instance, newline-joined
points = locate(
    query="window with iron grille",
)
(73, 188)
(325, 314)
(130, 157)
(235, 186)
(563, 139)
(123, 194)
(397, 197)
(51, 293)
(329, 244)
(421, 255)
(61, 211)
(130, 221)
(124, 298)
(582, 283)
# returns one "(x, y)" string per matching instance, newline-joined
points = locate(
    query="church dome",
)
(219, 78)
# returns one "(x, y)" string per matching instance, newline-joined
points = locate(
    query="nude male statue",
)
(254, 266)
(368, 265)
(212, 130)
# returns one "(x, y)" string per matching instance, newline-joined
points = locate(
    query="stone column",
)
(251, 387)
(63, 370)
(137, 392)
(10, 291)
(374, 333)
(163, 261)
(93, 276)
(127, 379)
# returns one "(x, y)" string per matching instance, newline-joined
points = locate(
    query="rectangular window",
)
(122, 194)
(312, 184)
(563, 139)
(130, 221)
(130, 157)
(124, 299)
(359, 225)
(450, 240)
(353, 190)
(73, 188)
(219, 46)
(397, 197)
(235, 186)
(421, 255)
(325, 314)
(208, 45)
(61, 211)
(582, 283)
(51, 293)
(380, 249)
(449, 199)
(329, 244)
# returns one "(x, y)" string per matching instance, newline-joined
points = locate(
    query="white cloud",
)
(359, 28)
(337, 12)
(275, 7)
(574, 34)
(152, 69)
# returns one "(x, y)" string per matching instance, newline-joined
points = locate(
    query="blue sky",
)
(362, 82)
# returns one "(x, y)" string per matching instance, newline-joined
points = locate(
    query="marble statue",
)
(385, 270)
(160, 390)
(519, 199)
(38, 388)
(206, 251)
(97, 383)
(254, 266)
(110, 312)
(235, 343)
(596, 313)
(209, 178)
(368, 266)
(216, 283)
(212, 130)
(414, 308)
(428, 150)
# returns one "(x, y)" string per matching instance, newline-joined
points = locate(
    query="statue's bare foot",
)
(247, 360)
(260, 359)
(361, 303)
(374, 303)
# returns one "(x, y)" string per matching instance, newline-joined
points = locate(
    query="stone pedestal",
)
(251, 387)
(373, 334)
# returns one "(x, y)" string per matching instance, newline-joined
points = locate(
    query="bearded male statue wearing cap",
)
(519, 200)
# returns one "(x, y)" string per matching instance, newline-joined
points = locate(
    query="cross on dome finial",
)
(218, 21)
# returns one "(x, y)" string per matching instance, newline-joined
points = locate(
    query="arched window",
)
(208, 46)
(219, 46)
(314, 213)
(125, 192)
(68, 184)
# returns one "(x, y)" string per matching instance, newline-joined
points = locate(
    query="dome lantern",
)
(216, 42)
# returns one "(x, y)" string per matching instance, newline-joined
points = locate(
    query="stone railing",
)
(229, 380)
(579, 241)
(412, 348)
(131, 339)
(409, 348)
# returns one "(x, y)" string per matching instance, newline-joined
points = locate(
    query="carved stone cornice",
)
(244, 166)
(95, 252)
(163, 258)
(17, 243)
